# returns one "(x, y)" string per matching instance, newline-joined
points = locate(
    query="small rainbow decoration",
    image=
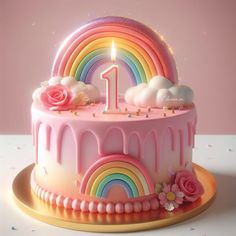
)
(143, 52)
(117, 170)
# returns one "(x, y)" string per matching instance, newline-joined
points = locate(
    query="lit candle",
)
(111, 77)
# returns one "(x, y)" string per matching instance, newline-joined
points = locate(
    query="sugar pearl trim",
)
(94, 206)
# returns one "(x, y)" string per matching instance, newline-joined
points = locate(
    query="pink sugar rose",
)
(189, 185)
(57, 98)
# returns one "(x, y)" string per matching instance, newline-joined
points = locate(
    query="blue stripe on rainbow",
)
(108, 171)
(124, 181)
(135, 42)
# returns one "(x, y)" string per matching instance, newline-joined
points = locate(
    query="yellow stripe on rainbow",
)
(142, 56)
(109, 172)
(116, 170)
(142, 44)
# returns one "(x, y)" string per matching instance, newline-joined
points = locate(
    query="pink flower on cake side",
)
(171, 197)
(189, 185)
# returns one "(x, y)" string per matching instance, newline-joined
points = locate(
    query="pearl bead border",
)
(94, 206)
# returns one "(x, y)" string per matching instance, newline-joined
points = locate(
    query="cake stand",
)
(76, 220)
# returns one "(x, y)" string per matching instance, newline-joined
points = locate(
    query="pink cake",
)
(92, 158)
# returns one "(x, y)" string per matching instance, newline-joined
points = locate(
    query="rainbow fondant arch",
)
(139, 48)
(117, 170)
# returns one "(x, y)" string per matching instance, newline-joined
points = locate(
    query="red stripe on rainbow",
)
(135, 38)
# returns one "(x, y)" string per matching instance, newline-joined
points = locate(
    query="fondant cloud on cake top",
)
(159, 92)
(64, 93)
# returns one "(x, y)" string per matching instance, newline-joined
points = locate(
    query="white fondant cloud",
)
(90, 90)
(159, 92)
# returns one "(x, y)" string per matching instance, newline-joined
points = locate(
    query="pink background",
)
(201, 33)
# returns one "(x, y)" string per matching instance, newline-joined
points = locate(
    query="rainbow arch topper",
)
(115, 170)
(143, 52)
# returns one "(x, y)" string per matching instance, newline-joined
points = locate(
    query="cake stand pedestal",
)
(92, 222)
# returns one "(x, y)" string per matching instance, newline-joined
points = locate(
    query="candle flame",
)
(113, 51)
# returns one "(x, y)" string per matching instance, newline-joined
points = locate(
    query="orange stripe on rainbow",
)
(116, 168)
(141, 42)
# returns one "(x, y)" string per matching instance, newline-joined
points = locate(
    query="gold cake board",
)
(92, 222)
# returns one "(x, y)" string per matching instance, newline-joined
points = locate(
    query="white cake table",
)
(216, 153)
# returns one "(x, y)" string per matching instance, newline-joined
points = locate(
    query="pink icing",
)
(181, 139)
(48, 140)
(58, 122)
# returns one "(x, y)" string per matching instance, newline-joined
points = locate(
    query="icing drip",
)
(48, 137)
(181, 144)
(32, 131)
(190, 133)
(59, 135)
(101, 135)
(157, 151)
(140, 147)
(37, 125)
(194, 132)
(101, 141)
(173, 138)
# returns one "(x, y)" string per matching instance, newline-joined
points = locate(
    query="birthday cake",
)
(111, 153)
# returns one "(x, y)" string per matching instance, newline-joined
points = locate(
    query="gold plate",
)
(92, 222)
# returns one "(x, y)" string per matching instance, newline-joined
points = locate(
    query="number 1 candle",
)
(111, 77)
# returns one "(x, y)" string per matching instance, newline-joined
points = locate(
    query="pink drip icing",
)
(157, 159)
(126, 133)
(194, 130)
(37, 125)
(77, 151)
(173, 138)
(32, 132)
(140, 146)
(48, 137)
(157, 149)
(58, 143)
(181, 143)
(190, 133)
(78, 138)
(125, 145)
(59, 136)
(124, 138)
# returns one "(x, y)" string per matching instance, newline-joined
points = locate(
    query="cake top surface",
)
(128, 113)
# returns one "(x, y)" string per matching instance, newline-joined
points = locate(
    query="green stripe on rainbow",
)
(101, 54)
(140, 49)
(110, 171)
(102, 192)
